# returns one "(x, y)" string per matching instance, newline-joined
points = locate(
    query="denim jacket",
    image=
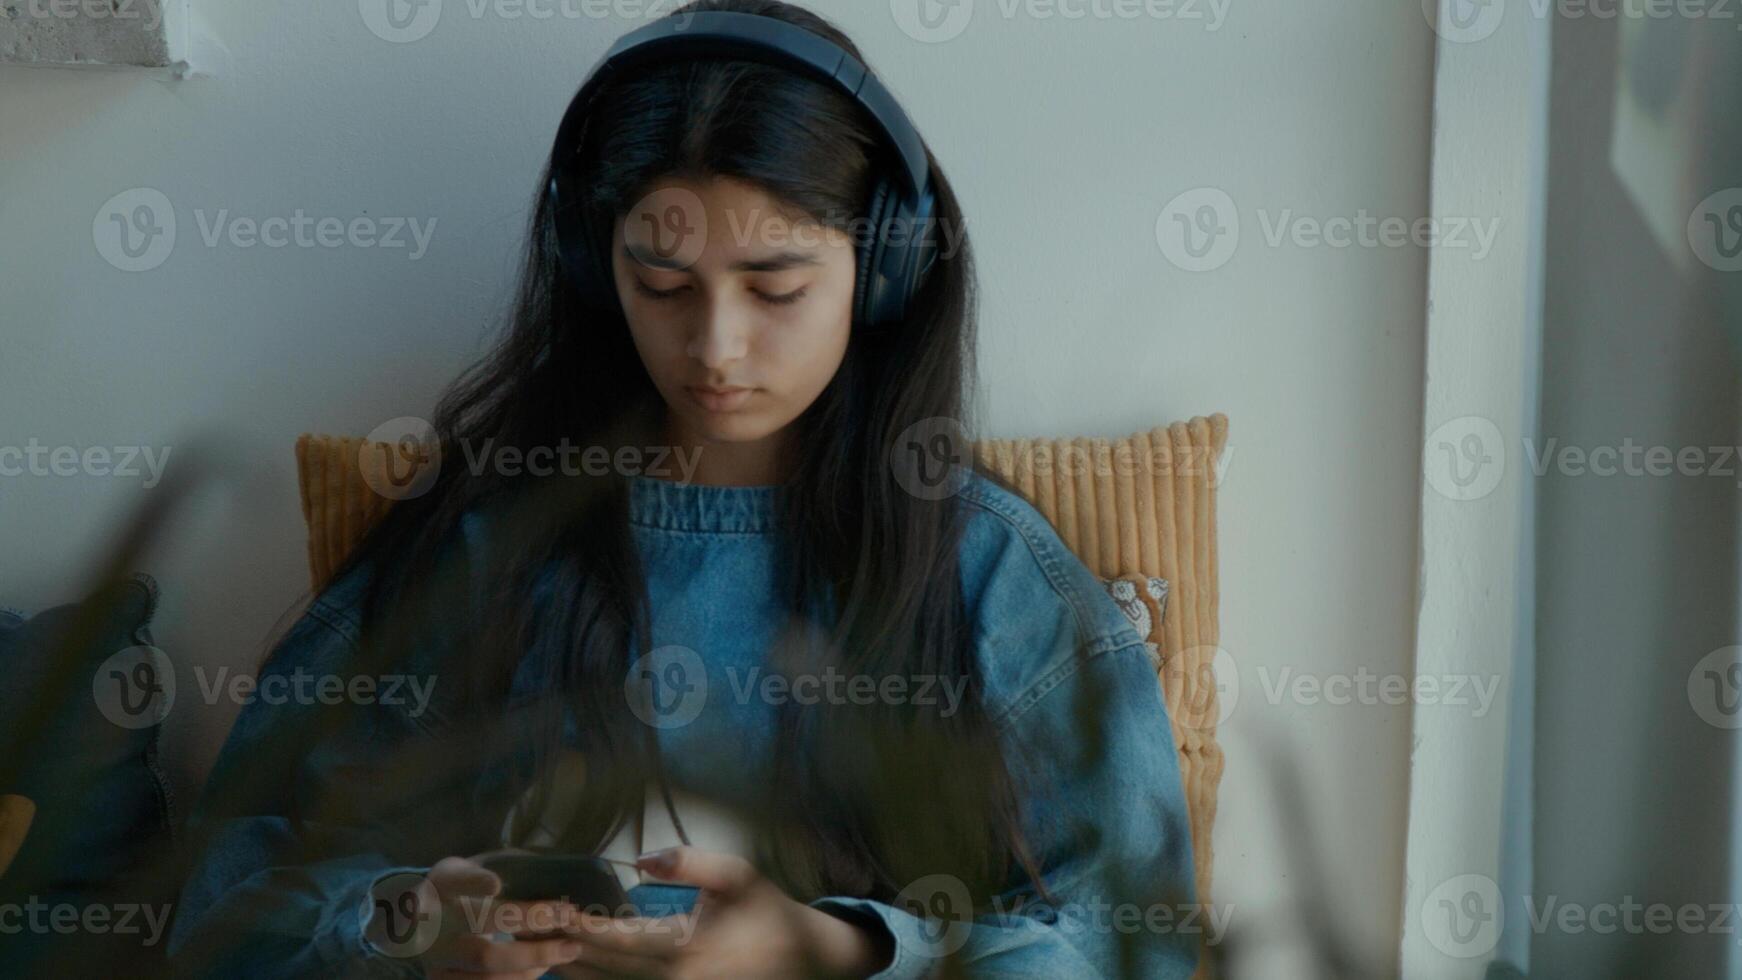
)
(1046, 632)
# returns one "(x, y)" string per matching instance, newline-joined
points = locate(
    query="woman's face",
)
(740, 313)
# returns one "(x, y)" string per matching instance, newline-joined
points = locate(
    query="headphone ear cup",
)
(868, 286)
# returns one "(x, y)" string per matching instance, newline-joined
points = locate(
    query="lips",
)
(719, 399)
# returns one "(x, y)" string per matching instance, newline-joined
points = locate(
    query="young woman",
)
(903, 729)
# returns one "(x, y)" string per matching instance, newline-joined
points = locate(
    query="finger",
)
(478, 954)
(491, 915)
(611, 963)
(657, 938)
(456, 876)
(713, 870)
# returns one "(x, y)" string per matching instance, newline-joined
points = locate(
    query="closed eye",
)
(651, 293)
(783, 299)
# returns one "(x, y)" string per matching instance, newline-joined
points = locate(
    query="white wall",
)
(1065, 137)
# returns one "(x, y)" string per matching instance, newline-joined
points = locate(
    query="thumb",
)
(711, 870)
(457, 876)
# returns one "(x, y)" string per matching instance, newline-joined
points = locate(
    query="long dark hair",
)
(866, 799)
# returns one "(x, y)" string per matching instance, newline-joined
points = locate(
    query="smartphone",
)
(589, 883)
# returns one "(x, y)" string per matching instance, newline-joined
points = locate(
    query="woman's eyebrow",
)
(778, 262)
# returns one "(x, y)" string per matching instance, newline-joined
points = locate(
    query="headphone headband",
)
(750, 37)
(889, 273)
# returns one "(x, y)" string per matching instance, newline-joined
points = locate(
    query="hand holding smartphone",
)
(589, 883)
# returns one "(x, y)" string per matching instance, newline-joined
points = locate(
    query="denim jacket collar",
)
(673, 506)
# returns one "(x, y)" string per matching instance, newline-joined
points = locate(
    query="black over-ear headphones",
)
(901, 245)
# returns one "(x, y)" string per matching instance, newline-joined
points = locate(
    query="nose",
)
(722, 335)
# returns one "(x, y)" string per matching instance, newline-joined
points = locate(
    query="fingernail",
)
(659, 860)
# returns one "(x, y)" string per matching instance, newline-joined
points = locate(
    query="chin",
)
(731, 427)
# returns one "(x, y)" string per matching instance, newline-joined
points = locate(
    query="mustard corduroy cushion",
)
(1135, 507)
(1139, 506)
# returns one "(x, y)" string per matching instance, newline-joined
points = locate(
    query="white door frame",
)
(1468, 836)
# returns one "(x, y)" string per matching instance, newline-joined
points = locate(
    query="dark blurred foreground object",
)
(90, 887)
